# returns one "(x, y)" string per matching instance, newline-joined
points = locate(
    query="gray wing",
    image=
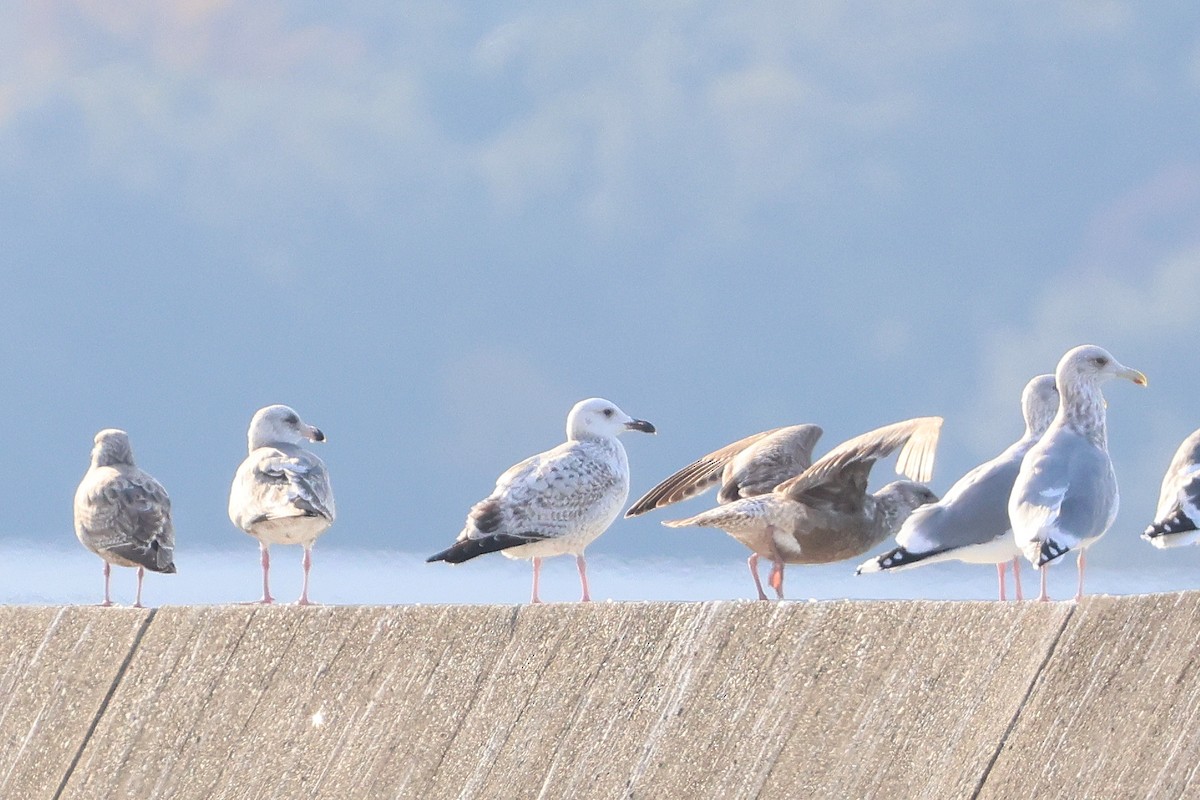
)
(751, 466)
(279, 482)
(839, 478)
(1066, 493)
(973, 511)
(129, 515)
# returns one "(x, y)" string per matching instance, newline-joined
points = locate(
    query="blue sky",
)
(432, 228)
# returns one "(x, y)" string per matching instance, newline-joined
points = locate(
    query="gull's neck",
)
(1082, 408)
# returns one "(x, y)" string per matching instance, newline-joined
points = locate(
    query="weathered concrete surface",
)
(1116, 712)
(57, 666)
(842, 699)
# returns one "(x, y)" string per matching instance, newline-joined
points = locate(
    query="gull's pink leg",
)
(137, 603)
(1079, 589)
(579, 562)
(306, 563)
(265, 550)
(1000, 569)
(1017, 577)
(752, 562)
(776, 579)
(107, 578)
(1043, 595)
(537, 568)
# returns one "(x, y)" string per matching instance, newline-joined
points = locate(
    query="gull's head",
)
(898, 500)
(1092, 364)
(598, 417)
(280, 425)
(1039, 403)
(111, 447)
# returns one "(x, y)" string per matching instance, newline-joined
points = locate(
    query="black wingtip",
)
(1049, 551)
(899, 557)
(467, 549)
(1177, 522)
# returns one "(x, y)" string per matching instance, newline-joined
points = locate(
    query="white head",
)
(1039, 404)
(598, 418)
(280, 425)
(1095, 365)
(111, 447)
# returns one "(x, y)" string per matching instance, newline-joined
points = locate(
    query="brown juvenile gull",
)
(1065, 495)
(825, 513)
(1179, 501)
(122, 514)
(970, 522)
(281, 492)
(556, 502)
(747, 468)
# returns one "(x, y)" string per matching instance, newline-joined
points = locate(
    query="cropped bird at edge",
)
(281, 492)
(970, 523)
(556, 502)
(1065, 495)
(820, 515)
(122, 514)
(1179, 499)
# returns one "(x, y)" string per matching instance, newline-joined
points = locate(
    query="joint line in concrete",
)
(1012, 723)
(112, 690)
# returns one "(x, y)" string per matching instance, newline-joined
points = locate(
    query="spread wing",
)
(748, 467)
(839, 478)
(279, 482)
(128, 513)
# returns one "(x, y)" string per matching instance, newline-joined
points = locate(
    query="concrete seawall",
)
(778, 700)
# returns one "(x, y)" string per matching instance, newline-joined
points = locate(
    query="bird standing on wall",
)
(970, 523)
(281, 492)
(1179, 500)
(747, 468)
(556, 502)
(1065, 496)
(825, 513)
(122, 514)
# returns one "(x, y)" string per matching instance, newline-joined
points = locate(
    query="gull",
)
(1065, 495)
(1179, 501)
(281, 492)
(825, 513)
(746, 468)
(970, 523)
(122, 514)
(556, 502)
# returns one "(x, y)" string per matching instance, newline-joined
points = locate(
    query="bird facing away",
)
(1179, 501)
(122, 514)
(970, 522)
(1065, 494)
(281, 492)
(825, 513)
(556, 502)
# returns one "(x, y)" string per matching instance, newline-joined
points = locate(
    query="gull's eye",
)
(1101, 361)
(608, 412)
(291, 419)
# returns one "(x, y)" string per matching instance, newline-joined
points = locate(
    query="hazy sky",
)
(432, 228)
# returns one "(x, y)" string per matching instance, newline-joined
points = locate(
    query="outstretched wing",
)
(745, 468)
(839, 478)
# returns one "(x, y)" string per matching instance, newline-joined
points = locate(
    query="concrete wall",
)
(776, 700)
